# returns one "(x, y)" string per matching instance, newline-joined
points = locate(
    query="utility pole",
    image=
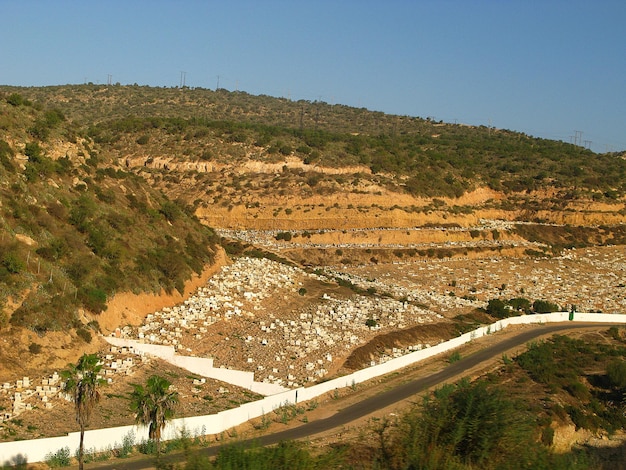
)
(587, 143)
(109, 79)
(578, 137)
(218, 83)
(183, 77)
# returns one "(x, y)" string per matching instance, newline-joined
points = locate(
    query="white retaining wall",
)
(200, 365)
(103, 439)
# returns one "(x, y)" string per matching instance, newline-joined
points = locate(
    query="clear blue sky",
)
(546, 67)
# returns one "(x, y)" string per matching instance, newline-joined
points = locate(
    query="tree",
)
(520, 304)
(497, 308)
(543, 306)
(153, 406)
(82, 383)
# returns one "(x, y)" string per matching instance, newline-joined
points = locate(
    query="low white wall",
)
(200, 365)
(102, 439)
(164, 352)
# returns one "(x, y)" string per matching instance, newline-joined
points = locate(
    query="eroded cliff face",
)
(370, 211)
(58, 348)
(127, 308)
(257, 191)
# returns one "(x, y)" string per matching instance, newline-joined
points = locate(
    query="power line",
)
(578, 137)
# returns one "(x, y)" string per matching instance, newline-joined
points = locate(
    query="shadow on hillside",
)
(610, 458)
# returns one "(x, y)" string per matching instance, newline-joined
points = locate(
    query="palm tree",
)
(154, 406)
(82, 383)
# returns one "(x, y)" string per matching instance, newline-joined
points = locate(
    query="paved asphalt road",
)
(375, 403)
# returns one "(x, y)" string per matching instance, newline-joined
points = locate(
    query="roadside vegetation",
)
(508, 418)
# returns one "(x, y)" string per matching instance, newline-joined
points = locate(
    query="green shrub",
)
(520, 304)
(497, 308)
(468, 423)
(84, 334)
(147, 447)
(15, 99)
(543, 306)
(12, 263)
(454, 357)
(6, 156)
(286, 236)
(93, 299)
(616, 373)
(61, 458)
(547, 436)
(128, 441)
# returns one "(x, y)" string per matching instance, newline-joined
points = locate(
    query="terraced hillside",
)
(324, 237)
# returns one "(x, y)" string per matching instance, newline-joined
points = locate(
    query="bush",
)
(93, 299)
(61, 458)
(283, 236)
(497, 308)
(520, 304)
(15, 99)
(466, 422)
(543, 306)
(128, 441)
(170, 211)
(371, 323)
(6, 155)
(616, 373)
(12, 263)
(547, 436)
(614, 333)
(147, 447)
(84, 334)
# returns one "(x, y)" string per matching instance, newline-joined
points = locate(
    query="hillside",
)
(76, 231)
(118, 201)
(257, 162)
(103, 188)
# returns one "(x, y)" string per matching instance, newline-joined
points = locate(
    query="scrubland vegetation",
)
(81, 222)
(76, 230)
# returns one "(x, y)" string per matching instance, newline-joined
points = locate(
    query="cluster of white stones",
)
(432, 299)
(121, 361)
(267, 238)
(592, 279)
(328, 329)
(24, 395)
(238, 290)
(288, 350)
